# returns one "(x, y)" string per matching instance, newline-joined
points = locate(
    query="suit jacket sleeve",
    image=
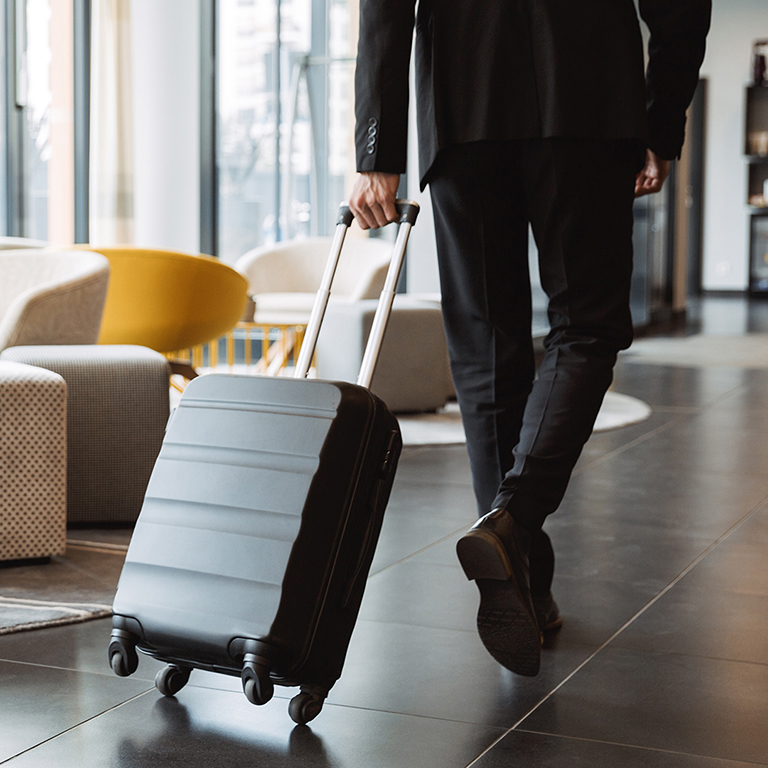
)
(676, 50)
(381, 84)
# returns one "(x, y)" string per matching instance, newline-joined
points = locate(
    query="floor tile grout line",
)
(421, 551)
(681, 410)
(65, 669)
(724, 395)
(634, 746)
(73, 727)
(118, 552)
(649, 604)
(414, 714)
(97, 546)
(86, 544)
(436, 483)
(717, 398)
(637, 441)
(693, 656)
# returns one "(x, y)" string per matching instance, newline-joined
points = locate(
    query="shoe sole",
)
(506, 626)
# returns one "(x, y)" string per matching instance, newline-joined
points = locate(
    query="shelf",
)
(756, 151)
(756, 177)
(756, 127)
(758, 280)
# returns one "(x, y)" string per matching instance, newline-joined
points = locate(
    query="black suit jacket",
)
(512, 69)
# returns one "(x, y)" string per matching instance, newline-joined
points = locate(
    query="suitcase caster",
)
(172, 679)
(257, 685)
(306, 706)
(122, 653)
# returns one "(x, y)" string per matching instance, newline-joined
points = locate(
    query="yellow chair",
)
(166, 300)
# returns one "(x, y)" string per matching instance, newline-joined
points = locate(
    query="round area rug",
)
(444, 427)
(620, 411)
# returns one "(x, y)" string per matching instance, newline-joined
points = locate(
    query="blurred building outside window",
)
(45, 98)
(285, 118)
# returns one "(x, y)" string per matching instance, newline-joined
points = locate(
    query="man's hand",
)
(651, 179)
(373, 199)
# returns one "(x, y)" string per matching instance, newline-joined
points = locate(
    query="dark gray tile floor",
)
(662, 579)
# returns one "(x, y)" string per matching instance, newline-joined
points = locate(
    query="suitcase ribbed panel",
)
(223, 509)
(251, 488)
(202, 618)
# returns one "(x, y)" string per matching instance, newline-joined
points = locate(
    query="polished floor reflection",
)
(662, 578)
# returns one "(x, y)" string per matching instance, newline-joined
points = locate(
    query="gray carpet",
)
(17, 615)
(75, 587)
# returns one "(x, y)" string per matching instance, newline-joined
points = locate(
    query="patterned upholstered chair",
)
(33, 452)
(117, 409)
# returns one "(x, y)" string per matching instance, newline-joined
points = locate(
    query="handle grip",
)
(407, 212)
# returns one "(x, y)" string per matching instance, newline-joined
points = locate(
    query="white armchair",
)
(17, 243)
(51, 297)
(283, 278)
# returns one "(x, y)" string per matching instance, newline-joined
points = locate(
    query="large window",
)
(40, 40)
(41, 120)
(284, 118)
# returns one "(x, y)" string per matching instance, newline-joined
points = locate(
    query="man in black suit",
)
(530, 112)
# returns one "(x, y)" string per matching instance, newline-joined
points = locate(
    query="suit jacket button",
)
(373, 122)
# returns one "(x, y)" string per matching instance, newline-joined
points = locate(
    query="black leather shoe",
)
(547, 613)
(494, 553)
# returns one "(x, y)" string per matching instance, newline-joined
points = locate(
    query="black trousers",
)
(525, 434)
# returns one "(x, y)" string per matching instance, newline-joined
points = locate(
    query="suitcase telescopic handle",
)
(407, 212)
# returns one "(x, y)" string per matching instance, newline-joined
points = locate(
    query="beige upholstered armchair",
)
(283, 278)
(17, 243)
(51, 297)
(412, 373)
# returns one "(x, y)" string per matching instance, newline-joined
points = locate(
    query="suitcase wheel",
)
(122, 653)
(305, 706)
(172, 679)
(257, 685)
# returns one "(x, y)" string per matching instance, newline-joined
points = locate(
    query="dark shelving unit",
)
(756, 151)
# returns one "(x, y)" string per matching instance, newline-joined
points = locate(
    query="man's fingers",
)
(371, 215)
(390, 212)
(361, 215)
(647, 185)
(379, 214)
(373, 199)
(652, 177)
